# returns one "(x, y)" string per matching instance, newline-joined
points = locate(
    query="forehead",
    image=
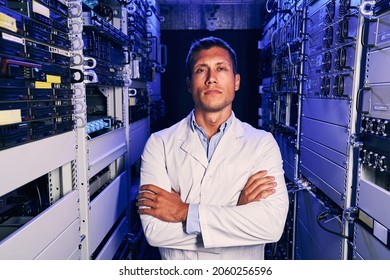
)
(212, 55)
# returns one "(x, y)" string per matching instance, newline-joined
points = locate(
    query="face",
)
(213, 83)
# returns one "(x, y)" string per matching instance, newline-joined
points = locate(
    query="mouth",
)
(212, 92)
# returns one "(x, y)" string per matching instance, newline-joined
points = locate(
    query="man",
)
(212, 187)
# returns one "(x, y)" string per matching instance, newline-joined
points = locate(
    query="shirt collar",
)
(224, 126)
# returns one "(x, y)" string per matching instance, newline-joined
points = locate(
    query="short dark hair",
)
(208, 43)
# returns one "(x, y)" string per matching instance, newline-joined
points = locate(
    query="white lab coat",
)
(175, 158)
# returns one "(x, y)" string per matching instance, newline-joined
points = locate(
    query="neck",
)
(211, 121)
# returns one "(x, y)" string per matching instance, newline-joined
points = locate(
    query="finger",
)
(146, 203)
(151, 188)
(146, 195)
(264, 187)
(255, 176)
(259, 182)
(146, 211)
(264, 194)
(256, 193)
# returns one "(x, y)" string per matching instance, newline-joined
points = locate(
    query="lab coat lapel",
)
(191, 145)
(228, 143)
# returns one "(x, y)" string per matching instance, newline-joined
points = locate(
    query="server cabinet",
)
(373, 190)
(332, 70)
(327, 51)
(37, 137)
(66, 115)
(280, 91)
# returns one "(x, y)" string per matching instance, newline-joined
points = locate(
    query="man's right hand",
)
(258, 186)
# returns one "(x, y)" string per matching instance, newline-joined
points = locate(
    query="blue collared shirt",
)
(193, 224)
(210, 145)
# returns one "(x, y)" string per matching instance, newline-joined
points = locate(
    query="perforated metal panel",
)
(211, 17)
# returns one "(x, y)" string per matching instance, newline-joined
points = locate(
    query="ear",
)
(188, 81)
(237, 82)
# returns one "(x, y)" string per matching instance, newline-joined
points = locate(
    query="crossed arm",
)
(168, 206)
(258, 217)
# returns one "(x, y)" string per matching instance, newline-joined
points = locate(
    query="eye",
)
(199, 71)
(222, 68)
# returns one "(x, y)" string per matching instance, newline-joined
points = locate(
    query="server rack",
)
(371, 224)
(280, 98)
(66, 132)
(340, 155)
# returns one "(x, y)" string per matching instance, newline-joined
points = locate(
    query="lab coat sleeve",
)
(153, 171)
(254, 223)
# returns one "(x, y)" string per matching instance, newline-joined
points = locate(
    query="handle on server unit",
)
(77, 43)
(75, 9)
(359, 104)
(132, 92)
(76, 59)
(366, 9)
(78, 92)
(364, 32)
(164, 55)
(87, 65)
(77, 76)
(79, 107)
(92, 77)
(126, 54)
(6, 62)
(75, 27)
(153, 41)
(81, 119)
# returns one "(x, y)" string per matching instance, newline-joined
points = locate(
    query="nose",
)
(211, 78)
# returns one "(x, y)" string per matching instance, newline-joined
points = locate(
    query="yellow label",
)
(8, 22)
(42, 85)
(53, 79)
(10, 116)
(132, 101)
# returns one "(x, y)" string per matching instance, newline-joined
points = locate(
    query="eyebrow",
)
(218, 64)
